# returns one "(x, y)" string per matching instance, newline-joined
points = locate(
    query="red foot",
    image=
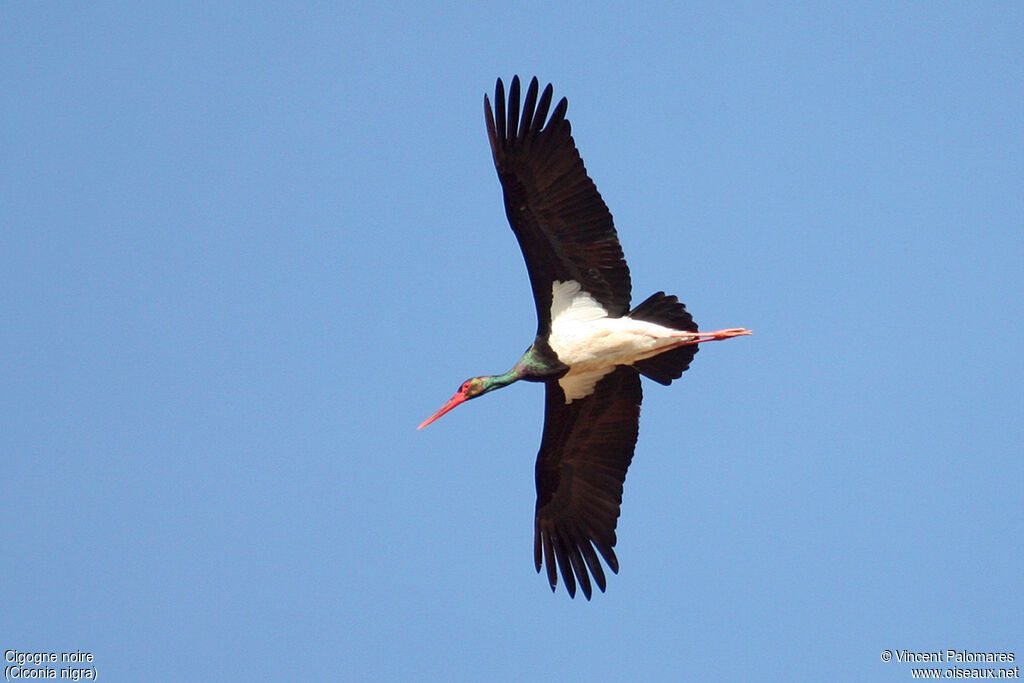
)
(716, 335)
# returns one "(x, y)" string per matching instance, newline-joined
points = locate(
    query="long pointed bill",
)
(452, 402)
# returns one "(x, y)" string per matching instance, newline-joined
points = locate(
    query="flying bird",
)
(590, 348)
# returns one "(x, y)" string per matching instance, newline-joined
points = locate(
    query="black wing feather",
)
(563, 226)
(584, 454)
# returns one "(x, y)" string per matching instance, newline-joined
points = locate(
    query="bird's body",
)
(590, 348)
(592, 343)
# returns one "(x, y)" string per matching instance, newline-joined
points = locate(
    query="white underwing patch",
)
(569, 303)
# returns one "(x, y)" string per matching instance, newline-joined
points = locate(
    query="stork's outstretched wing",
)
(585, 451)
(562, 224)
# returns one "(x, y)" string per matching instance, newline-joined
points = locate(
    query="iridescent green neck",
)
(535, 365)
(492, 382)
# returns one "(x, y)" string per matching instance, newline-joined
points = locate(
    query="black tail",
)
(666, 310)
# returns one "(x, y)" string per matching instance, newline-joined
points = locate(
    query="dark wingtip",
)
(543, 106)
(529, 107)
(512, 126)
(499, 110)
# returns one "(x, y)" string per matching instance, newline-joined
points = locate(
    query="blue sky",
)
(247, 248)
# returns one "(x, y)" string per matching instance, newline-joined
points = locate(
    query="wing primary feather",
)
(609, 557)
(591, 558)
(564, 564)
(499, 113)
(492, 134)
(542, 108)
(549, 559)
(559, 113)
(537, 550)
(580, 570)
(576, 557)
(513, 105)
(528, 108)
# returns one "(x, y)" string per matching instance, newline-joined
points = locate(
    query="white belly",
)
(607, 342)
(593, 344)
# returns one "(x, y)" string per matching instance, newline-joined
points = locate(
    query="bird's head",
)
(471, 388)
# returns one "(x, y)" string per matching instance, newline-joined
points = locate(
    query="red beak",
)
(452, 402)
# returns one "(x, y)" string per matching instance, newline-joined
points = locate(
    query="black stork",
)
(590, 348)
